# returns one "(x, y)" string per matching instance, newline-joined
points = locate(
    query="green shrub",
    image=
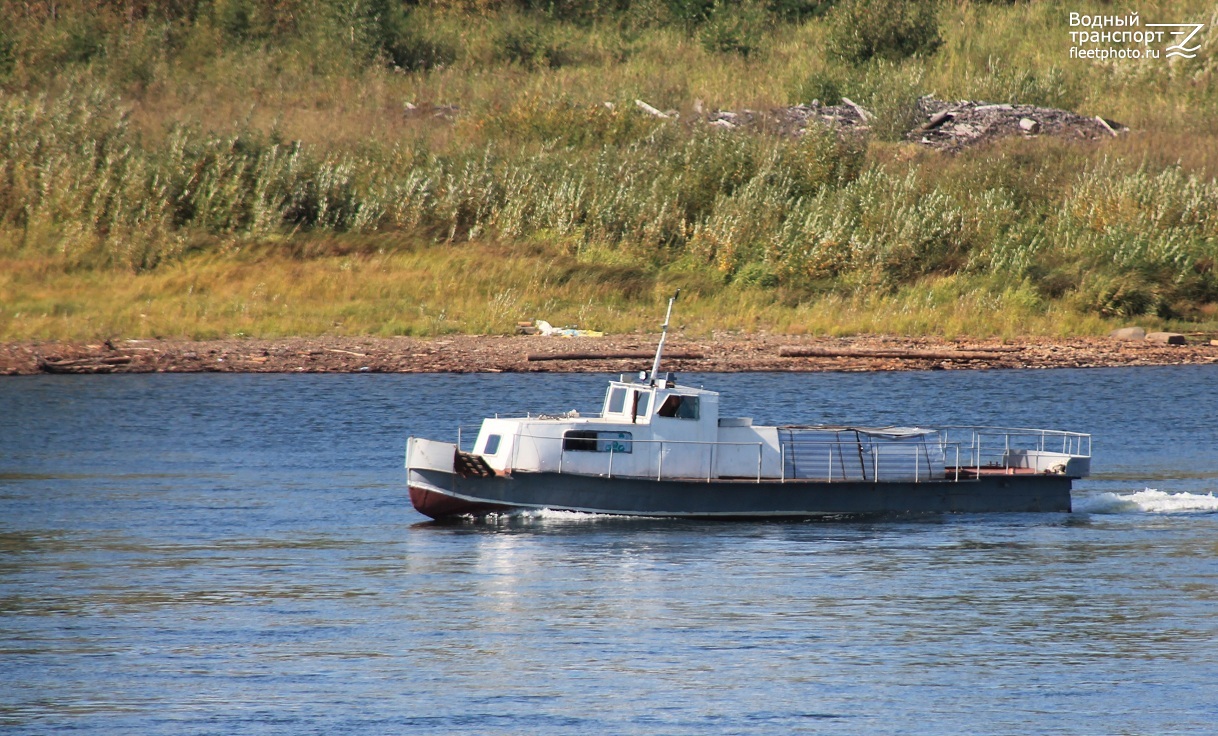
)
(524, 41)
(578, 11)
(137, 57)
(689, 13)
(1117, 296)
(8, 54)
(860, 30)
(890, 91)
(798, 10)
(757, 275)
(825, 86)
(735, 28)
(821, 158)
(237, 19)
(411, 50)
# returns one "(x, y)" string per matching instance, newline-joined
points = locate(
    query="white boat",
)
(659, 448)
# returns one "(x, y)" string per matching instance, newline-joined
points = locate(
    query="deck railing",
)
(957, 454)
(991, 447)
(659, 445)
(963, 454)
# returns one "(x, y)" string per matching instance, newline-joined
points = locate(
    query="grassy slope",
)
(535, 200)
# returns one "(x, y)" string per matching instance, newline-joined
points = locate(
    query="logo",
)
(1126, 37)
(1181, 49)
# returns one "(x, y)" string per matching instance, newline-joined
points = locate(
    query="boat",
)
(660, 448)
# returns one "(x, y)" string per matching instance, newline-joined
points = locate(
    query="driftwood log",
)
(794, 352)
(83, 365)
(535, 357)
(866, 116)
(654, 112)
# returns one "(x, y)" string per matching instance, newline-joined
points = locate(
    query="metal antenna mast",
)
(655, 366)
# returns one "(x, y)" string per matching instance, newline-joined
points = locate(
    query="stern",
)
(431, 471)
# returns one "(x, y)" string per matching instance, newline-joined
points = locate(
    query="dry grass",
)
(430, 290)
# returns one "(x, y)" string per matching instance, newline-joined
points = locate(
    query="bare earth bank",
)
(617, 353)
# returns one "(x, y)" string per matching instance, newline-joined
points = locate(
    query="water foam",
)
(549, 515)
(552, 514)
(1150, 501)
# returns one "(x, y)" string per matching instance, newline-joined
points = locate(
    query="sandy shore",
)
(619, 353)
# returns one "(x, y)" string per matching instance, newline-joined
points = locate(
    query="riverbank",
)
(617, 353)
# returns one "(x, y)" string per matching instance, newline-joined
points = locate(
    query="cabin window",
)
(492, 445)
(642, 400)
(587, 440)
(679, 407)
(617, 400)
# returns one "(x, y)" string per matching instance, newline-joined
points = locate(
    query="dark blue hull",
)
(440, 494)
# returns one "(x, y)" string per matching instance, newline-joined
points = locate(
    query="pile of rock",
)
(951, 126)
(946, 126)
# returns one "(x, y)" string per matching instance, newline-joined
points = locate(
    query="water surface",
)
(220, 554)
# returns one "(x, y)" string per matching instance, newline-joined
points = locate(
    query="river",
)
(220, 554)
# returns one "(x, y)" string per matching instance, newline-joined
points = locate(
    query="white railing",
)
(960, 454)
(911, 462)
(865, 459)
(991, 447)
(659, 446)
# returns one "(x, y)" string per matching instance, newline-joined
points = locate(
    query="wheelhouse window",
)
(617, 400)
(587, 440)
(679, 407)
(642, 401)
(492, 444)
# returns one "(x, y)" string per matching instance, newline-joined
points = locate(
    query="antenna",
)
(655, 366)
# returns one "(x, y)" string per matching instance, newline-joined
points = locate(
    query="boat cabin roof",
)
(664, 382)
(639, 399)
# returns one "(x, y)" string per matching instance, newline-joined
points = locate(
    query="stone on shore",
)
(1128, 333)
(1166, 338)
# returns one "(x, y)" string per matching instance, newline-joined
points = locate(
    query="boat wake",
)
(552, 515)
(1149, 501)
